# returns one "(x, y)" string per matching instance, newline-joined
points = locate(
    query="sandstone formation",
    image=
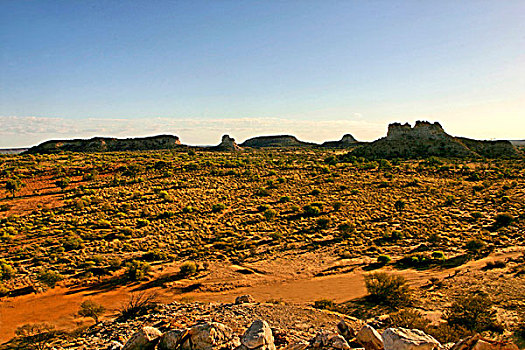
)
(429, 139)
(280, 141)
(106, 144)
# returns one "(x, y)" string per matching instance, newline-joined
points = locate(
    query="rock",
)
(300, 345)
(114, 345)
(172, 339)
(257, 336)
(209, 335)
(243, 299)
(325, 339)
(408, 339)
(347, 332)
(144, 339)
(476, 342)
(369, 338)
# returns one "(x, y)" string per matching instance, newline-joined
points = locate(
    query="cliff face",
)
(275, 141)
(429, 139)
(106, 144)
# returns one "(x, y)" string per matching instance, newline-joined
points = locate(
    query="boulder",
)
(209, 335)
(347, 332)
(244, 299)
(257, 336)
(144, 339)
(369, 338)
(325, 339)
(476, 342)
(172, 339)
(408, 339)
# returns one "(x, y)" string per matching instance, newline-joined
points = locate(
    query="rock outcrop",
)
(279, 141)
(408, 339)
(346, 141)
(429, 139)
(227, 144)
(106, 144)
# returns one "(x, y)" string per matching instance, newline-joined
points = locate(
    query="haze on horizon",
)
(314, 69)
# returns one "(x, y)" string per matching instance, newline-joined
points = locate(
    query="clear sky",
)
(315, 69)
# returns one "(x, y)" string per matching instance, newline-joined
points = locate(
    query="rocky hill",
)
(429, 139)
(279, 141)
(227, 144)
(107, 144)
(247, 325)
(346, 141)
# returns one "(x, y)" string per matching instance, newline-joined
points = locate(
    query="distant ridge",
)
(423, 140)
(429, 139)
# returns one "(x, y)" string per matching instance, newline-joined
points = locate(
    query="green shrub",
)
(311, 210)
(337, 205)
(269, 214)
(503, 220)
(6, 270)
(383, 259)
(49, 277)
(137, 270)
(472, 311)
(388, 289)
(217, 208)
(323, 223)
(474, 246)
(284, 199)
(188, 268)
(325, 304)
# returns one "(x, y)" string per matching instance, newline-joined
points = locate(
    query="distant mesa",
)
(107, 144)
(346, 141)
(279, 141)
(427, 139)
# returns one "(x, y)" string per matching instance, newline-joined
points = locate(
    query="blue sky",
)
(316, 69)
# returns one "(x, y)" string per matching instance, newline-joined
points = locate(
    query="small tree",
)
(89, 308)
